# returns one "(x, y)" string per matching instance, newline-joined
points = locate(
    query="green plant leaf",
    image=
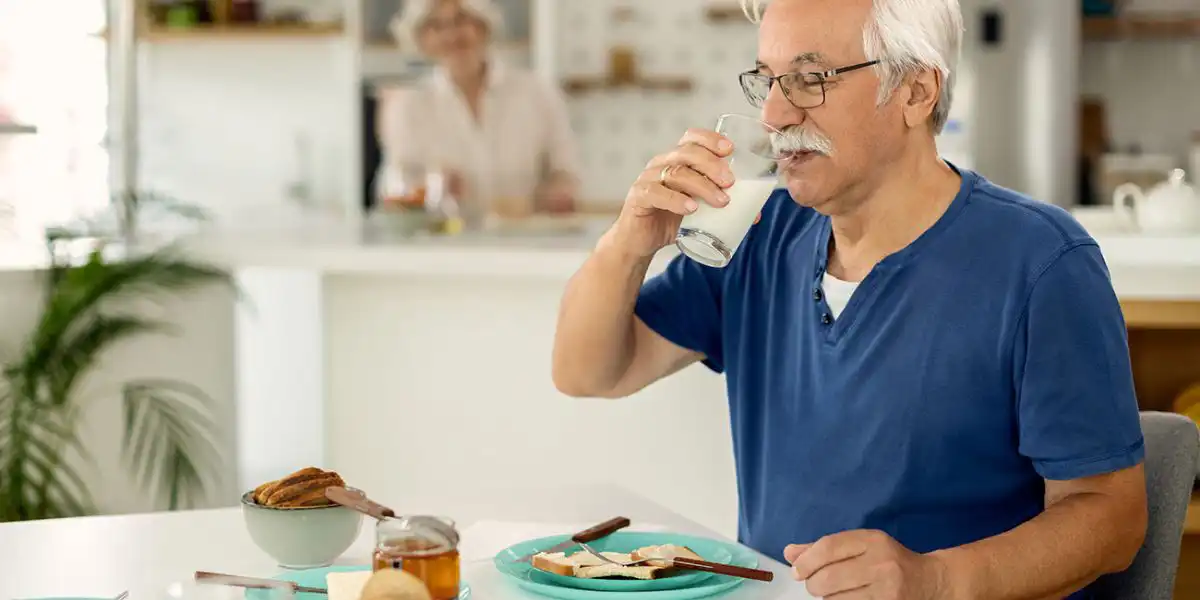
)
(169, 439)
(83, 347)
(37, 481)
(79, 292)
(60, 487)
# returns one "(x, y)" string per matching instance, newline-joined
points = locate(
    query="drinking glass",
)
(711, 235)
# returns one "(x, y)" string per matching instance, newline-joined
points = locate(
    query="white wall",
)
(444, 384)
(199, 352)
(231, 124)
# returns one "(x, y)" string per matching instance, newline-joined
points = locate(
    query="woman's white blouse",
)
(523, 135)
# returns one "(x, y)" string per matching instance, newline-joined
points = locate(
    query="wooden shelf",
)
(240, 32)
(17, 129)
(725, 13)
(1145, 28)
(582, 85)
(392, 46)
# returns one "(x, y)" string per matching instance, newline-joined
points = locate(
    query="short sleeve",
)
(1076, 405)
(683, 304)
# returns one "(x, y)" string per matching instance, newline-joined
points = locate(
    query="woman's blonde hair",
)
(406, 25)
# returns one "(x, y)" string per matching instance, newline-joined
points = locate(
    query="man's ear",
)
(924, 88)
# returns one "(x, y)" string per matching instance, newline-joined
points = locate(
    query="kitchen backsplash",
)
(619, 130)
(1150, 91)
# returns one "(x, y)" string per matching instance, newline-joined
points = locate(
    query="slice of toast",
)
(664, 551)
(556, 563)
(585, 566)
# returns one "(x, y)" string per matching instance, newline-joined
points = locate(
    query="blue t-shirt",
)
(987, 355)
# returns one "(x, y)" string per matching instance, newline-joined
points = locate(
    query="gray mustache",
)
(797, 139)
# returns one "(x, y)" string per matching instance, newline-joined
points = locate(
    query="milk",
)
(729, 223)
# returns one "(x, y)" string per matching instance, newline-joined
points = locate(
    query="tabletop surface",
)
(145, 554)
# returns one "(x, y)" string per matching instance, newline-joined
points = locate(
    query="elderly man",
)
(928, 375)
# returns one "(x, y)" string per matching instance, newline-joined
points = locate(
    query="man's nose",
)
(778, 111)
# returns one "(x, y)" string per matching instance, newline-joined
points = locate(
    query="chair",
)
(1172, 464)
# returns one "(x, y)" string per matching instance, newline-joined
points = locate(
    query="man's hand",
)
(862, 565)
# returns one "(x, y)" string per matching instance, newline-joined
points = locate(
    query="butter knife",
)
(590, 534)
(255, 583)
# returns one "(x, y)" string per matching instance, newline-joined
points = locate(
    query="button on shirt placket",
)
(818, 296)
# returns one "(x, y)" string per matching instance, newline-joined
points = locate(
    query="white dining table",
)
(145, 554)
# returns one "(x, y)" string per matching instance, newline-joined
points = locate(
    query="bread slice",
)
(556, 563)
(664, 551)
(610, 571)
(585, 566)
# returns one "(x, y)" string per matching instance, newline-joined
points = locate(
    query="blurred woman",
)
(501, 133)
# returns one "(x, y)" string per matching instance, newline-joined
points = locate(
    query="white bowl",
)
(301, 538)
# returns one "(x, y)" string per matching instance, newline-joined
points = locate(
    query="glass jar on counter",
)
(424, 546)
(415, 199)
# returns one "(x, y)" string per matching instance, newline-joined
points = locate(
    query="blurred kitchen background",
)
(1060, 99)
(416, 357)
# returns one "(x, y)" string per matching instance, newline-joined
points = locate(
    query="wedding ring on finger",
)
(662, 176)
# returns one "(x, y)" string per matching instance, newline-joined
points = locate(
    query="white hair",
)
(406, 25)
(907, 36)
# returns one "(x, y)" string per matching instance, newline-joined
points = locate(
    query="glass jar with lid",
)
(423, 545)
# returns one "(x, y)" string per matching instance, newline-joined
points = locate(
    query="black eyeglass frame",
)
(822, 77)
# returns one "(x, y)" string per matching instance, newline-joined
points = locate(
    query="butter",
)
(346, 585)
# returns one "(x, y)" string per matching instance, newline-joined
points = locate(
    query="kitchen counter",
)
(1143, 267)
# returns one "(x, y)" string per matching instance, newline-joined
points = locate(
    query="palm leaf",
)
(83, 347)
(59, 485)
(37, 481)
(79, 291)
(169, 438)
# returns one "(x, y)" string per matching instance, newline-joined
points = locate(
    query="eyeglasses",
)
(803, 90)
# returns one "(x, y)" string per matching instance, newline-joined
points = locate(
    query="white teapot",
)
(1171, 207)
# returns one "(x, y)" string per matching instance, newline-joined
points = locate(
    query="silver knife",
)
(255, 582)
(590, 534)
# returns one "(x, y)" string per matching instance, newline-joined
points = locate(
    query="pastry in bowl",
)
(303, 489)
(292, 521)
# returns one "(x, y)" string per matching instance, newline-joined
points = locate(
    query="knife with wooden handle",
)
(590, 534)
(360, 502)
(720, 568)
(255, 583)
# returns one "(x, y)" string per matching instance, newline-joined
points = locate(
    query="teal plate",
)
(316, 578)
(694, 584)
(626, 542)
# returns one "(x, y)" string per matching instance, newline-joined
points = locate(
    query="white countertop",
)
(1142, 266)
(148, 554)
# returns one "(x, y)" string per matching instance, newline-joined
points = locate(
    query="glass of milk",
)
(711, 235)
